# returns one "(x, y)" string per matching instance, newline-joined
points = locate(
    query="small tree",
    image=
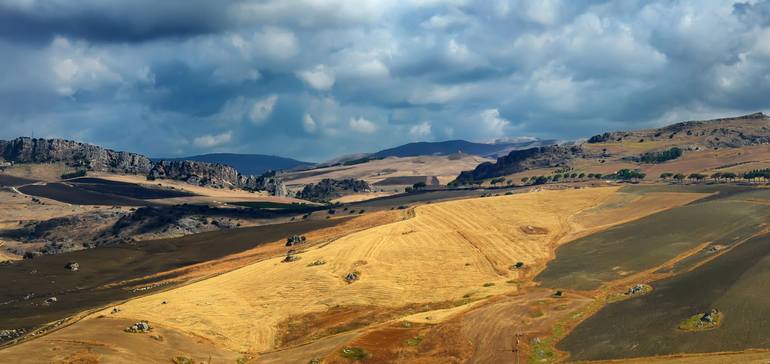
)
(666, 175)
(679, 177)
(418, 186)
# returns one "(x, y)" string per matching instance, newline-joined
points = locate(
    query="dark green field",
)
(724, 219)
(736, 283)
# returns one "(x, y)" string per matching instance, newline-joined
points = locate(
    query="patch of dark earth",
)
(27, 284)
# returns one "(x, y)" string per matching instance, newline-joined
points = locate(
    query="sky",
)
(315, 79)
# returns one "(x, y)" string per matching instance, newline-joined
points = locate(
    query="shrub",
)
(76, 174)
(660, 157)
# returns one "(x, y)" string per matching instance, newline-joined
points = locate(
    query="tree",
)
(716, 176)
(598, 176)
(582, 175)
(497, 180)
(539, 180)
(696, 176)
(729, 176)
(418, 186)
(525, 179)
(666, 175)
(679, 177)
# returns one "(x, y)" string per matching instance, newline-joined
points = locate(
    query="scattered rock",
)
(290, 258)
(637, 289)
(72, 266)
(50, 300)
(139, 327)
(295, 239)
(518, 265)
(7, 335)
(317, 262)
(115, 310)
(533, 230)
(558, 294)
(352, 277)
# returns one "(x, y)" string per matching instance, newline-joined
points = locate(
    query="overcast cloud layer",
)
(313, 79)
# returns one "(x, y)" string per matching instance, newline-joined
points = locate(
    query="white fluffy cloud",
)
(262, 108)
(420, 131)
(318, 77)
(361, 125)
(213, 140)
(493, 123)
(309, 124)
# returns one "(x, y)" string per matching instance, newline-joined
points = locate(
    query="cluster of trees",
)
(660, 157)
(539, 180)
(627, 175)
(757, 174)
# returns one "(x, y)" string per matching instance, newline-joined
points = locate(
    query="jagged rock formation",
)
(329, 189)
(217, 175)
(75, 154)
(521, 160)
(200, 173)
(270, 182)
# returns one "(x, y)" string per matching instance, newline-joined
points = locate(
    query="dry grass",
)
(446, 250)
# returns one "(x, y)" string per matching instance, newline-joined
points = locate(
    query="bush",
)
(80, 173)
(660, 157)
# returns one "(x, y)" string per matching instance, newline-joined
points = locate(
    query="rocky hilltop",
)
(216, 175)
(329, 189)
(521, 160)
(734, 132)
(75, 154)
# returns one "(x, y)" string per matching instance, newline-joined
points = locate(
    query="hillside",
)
(455, 146)
(735, 144)
(255, 164)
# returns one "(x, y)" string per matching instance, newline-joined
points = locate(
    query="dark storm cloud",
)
(314, 79)
(110, 21)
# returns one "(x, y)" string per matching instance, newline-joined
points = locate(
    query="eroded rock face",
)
(75, 154)
(216, 175)
(328, 189)
(521, 160)
(201, 173)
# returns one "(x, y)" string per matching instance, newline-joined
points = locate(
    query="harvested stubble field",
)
(246, 310)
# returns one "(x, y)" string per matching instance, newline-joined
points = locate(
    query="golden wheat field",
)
(455, 251)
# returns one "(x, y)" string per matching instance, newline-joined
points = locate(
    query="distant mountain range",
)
(455, 146)
(254, 164)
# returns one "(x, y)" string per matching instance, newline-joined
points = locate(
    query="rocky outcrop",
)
(199, 173)
(269, 182)
(216, 175)
(72, 153)
(329, 189)
(521, 160)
